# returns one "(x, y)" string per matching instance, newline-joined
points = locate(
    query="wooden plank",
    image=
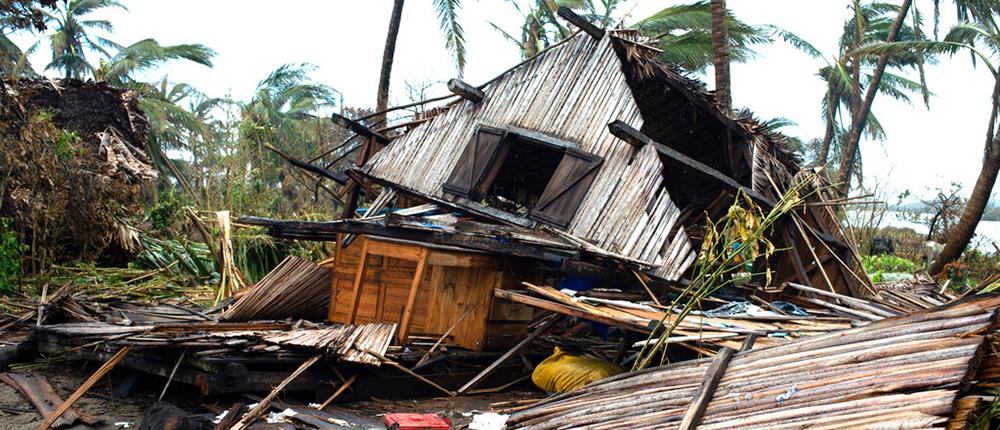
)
(403, 369)
(418, 277)
(565, 310)
(359, 279)
(103, 370)
(358, 128)
(507, 355)
(172, 373)
(309, 167)
(692, 417)
(395, 250)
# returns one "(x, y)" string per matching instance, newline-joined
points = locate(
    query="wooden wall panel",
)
(452, 284)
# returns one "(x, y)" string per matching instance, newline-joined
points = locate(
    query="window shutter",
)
(478, 156)
(566, 189)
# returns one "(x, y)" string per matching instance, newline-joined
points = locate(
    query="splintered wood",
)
(297, 288)
(902, 372)
(722, 331)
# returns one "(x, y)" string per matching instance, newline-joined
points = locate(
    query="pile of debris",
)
(74, 155)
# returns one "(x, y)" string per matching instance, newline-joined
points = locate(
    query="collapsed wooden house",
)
(592, 157)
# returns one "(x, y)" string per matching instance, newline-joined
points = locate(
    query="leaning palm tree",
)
(71, 41)
(873, 22)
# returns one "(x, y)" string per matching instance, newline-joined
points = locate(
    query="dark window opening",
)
(523, 171)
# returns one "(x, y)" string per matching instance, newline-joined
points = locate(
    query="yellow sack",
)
(562, 372)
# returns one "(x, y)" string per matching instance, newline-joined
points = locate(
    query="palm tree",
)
(70, 42)
(541, 27)
(281, 114)
(861, 108)
(981, 37)
(684, 33)
(454, 35)
(120, 70)
(838, 74)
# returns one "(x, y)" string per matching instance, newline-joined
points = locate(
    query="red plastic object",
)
(417, 421)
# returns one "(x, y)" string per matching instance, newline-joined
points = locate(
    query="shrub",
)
(10, 257)
(887, 263)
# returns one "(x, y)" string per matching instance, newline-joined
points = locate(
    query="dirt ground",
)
(127, 412)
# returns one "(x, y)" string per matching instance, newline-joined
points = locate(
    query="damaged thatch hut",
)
(591, 158)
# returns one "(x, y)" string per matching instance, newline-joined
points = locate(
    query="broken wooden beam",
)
(416, 375)
(581, 23)
(103, 370)
(359, 128)
(312, 168)
(692, 417)
(635, 137)
(340, 390)
(466, 91)
(507, 355)
(266, 402)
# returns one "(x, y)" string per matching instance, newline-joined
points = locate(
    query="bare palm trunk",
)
(720, 44)
(382, 102)
(859, 116)
(831, 127)
(974, 208)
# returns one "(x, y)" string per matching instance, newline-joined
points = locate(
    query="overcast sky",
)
(344, 39)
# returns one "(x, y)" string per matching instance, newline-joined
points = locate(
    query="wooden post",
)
(635, 137)
(702, 397)
(359, 281)
(404, 323)
(466, 91)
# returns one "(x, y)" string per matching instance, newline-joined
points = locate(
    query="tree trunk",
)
(720, 45)
(831, 128)
(974, 208)
(382, 102)
(860, 116)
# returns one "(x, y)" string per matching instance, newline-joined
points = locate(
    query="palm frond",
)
(794, 40)
(454, 35)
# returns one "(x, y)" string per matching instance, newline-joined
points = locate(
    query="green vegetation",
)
(10, 258)
(887, 263)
